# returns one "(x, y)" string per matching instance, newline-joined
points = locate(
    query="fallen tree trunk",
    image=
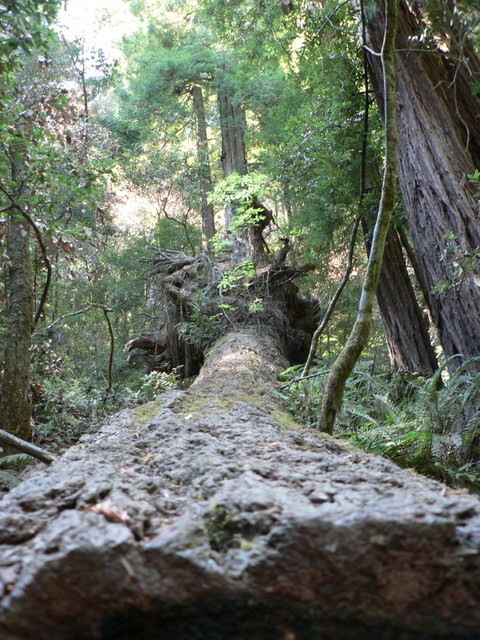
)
(210, 514)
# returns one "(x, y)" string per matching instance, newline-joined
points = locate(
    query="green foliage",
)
(474, 178)
(9, 477)
(204, 322)
(23, 25)
(236, 275)
(8, 480)
(152, 384)
(237, 188)
(431, 425)
(238, 191)
(67, 405)
(460, 262)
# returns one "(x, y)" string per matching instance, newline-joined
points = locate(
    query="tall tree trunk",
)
(439, 134)
(205, 178)
(405, 328)
(406, 333)
(15, 405)
(232, 125)
(249, 242)
(357, 340)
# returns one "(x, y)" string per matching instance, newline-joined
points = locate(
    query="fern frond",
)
(14, 459)
(9, 480)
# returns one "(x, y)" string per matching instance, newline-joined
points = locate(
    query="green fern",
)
(8, 480)
(14, 459)
(432, 425)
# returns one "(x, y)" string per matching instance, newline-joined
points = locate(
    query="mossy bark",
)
(241, 367)
(15, 405)
(359, 335)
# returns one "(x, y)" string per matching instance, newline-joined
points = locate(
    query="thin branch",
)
(112, 347)
(7, 208)
(14, 205)
(183, 223)
(325, 23)
(319, 330)
(65, 317)
(366, 109)
(90, 307)
(46, 260)
(27, 447)
(374, 53)
(302, 378)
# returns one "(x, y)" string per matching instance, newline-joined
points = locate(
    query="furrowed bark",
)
(205, 178)
(439, 132)
(15, 404)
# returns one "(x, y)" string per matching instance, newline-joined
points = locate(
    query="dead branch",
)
(27, 447)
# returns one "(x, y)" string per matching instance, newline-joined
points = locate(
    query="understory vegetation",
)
(428, 424)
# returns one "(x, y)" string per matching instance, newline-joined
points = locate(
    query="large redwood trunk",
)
(232, 124)
(406, 333)
(204, 174)
(439, 133)
(234, 153)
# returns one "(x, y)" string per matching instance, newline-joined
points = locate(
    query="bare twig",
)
(302, 378)
(66, 316)
(46, 260)
(319, 330)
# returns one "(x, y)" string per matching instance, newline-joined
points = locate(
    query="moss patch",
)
(146, 412)
(285, 420)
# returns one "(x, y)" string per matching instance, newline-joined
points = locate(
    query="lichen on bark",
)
(357, 340)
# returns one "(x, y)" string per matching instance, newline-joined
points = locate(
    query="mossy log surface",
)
(210, 514)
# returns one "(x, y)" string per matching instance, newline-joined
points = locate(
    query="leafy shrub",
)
(68, 407)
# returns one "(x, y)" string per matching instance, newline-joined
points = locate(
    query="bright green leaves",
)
(242, 193)
(23, 25)
(236, 275)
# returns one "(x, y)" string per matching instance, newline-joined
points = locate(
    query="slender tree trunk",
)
(358, 338)
(406, 333)
(205, 178)
(439, 132)
(15, 405)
